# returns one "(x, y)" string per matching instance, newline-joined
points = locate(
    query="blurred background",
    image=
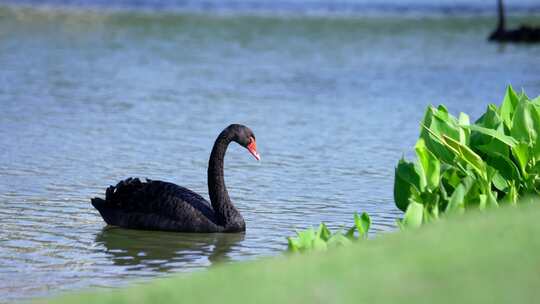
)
(95, 91)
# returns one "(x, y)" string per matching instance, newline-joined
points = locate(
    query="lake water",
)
(89, 97)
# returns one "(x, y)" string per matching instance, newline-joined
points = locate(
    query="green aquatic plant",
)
(461, 166)
(322, 238)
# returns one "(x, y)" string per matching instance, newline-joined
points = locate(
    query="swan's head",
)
(245, 137)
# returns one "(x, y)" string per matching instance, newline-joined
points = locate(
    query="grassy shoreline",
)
(478, 257)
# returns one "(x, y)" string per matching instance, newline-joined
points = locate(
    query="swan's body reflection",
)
(165, 251)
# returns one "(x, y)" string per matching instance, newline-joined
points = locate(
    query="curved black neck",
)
(500, 8)
(226, 214)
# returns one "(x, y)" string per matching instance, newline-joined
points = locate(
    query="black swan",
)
(522, 34)
(157, 205)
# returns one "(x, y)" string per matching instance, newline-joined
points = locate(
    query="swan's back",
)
(156, 205)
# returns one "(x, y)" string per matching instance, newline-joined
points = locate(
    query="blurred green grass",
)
(489, 257)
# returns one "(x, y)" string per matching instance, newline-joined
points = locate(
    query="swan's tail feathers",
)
(98, 203)
(109, 193)
(108, 214)
(118, 200)
(123, 194)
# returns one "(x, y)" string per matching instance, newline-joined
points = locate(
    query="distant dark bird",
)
(157, 205)
(524, 33)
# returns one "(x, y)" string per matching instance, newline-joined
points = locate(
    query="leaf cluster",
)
(461, 165)
(322, 238)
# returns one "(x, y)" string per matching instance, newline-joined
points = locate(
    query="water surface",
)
(91, 97)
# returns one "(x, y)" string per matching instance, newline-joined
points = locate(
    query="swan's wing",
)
(155, 205)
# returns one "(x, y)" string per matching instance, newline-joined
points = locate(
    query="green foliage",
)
(322, 238)
(462, 166)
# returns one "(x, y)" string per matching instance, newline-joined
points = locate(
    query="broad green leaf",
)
(463, 119)
(306, 238)
(408, 172)
(430, 165)
(405, 177)
(441, 112)
(444, 124)
(292, 244)
(509, 106)
(499, 135)
(431, 136)
(512, 196)
(490, 119)
(422, 177)
(443, 154)
(436, 145)
(467, 155)
(486, 143)
(523, 126)
(362, 223)
(413, 216)
(504, 166)
(323, 232)
(521, 153)
(457, 199)
(464, 133)
(350, 232)
(535, 115)
(365, 220)
(491, 148)
(499, 182)
(452, 177)
(426, 121)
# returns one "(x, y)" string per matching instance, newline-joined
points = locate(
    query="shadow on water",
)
(165, 251)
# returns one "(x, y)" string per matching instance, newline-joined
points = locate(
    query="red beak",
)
(252, 148)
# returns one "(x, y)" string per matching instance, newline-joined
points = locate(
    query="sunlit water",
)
(89, 98)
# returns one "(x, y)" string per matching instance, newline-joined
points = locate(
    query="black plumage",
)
(524, 33)
(158, 205)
